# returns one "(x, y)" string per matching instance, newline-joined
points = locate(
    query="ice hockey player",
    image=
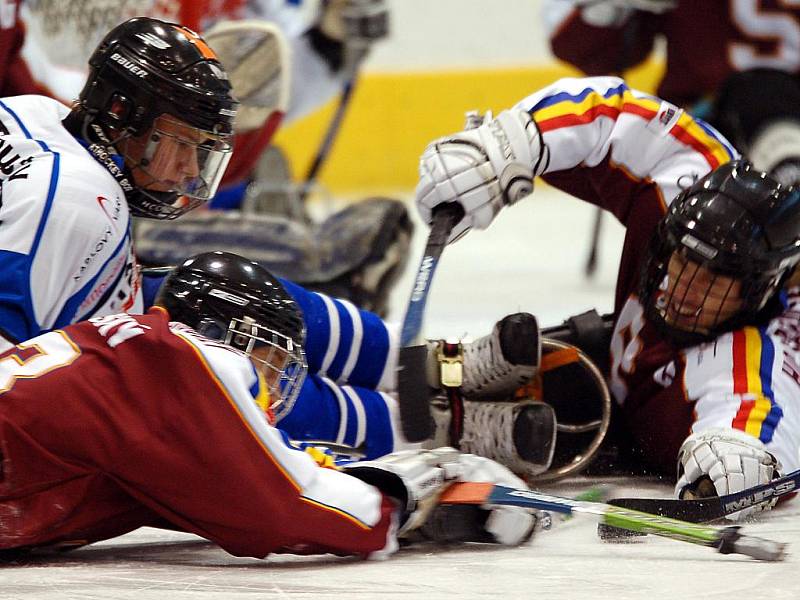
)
(704, 349)
(126, 421)
(357, 252)
(348, 396)
(742, 75)
(148, 136)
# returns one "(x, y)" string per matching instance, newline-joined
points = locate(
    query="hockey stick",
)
(357, 56)
(710, 509)
(412, 388)
(727, 540)
(594, 248)
(365, 22)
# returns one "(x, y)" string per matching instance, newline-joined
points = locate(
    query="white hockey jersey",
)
(65, 232)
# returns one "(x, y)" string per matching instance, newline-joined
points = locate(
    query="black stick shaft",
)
(412, 388)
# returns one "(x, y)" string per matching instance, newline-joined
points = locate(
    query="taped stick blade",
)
(467, 493)
(414, 395)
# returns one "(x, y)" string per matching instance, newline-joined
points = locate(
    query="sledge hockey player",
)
(704, 352)
(357, 252)
(148, 137)
(126, 421)
(348, 397)
(735, 64)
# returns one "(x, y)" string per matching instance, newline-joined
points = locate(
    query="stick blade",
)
(467, 493)
(693, 511)
(414, 395)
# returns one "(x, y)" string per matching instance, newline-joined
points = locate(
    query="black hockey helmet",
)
(146, 70)
(228, 298)
(736, 223)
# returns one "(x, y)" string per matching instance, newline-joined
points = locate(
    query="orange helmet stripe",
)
(204, 48)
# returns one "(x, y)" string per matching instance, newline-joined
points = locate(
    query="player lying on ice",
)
(347, 397)
(126, 421)
(704, 354)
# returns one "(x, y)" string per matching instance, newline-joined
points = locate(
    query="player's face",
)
(165, 156)
(272, 362)
(697, 299)
(176, 157)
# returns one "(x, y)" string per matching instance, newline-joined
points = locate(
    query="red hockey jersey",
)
(126, 421)
(15, 77)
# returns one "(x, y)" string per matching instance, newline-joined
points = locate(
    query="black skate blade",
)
(414, 394)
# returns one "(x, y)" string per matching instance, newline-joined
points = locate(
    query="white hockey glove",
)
(416, 479)
(483, 168)
(721, 461)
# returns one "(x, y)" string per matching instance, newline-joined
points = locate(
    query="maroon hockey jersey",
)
(631, 154)
(126, 421)
(705, 42)
(15, 77)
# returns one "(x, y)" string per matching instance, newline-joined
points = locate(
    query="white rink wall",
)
(444, 34)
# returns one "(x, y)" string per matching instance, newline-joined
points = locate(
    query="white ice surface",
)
(566, 562)
(532, 259)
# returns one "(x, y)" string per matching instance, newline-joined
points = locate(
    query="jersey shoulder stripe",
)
(296, 466)
(54, 174)
(753, 363)
(569, 109)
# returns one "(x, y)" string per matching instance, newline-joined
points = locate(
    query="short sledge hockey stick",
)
(727, 540)
(412, 388)
(710, 509)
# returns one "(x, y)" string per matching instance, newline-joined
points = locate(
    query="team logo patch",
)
(667, 116)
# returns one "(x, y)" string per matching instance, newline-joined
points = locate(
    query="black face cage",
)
(283, 363)
(758, 285)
